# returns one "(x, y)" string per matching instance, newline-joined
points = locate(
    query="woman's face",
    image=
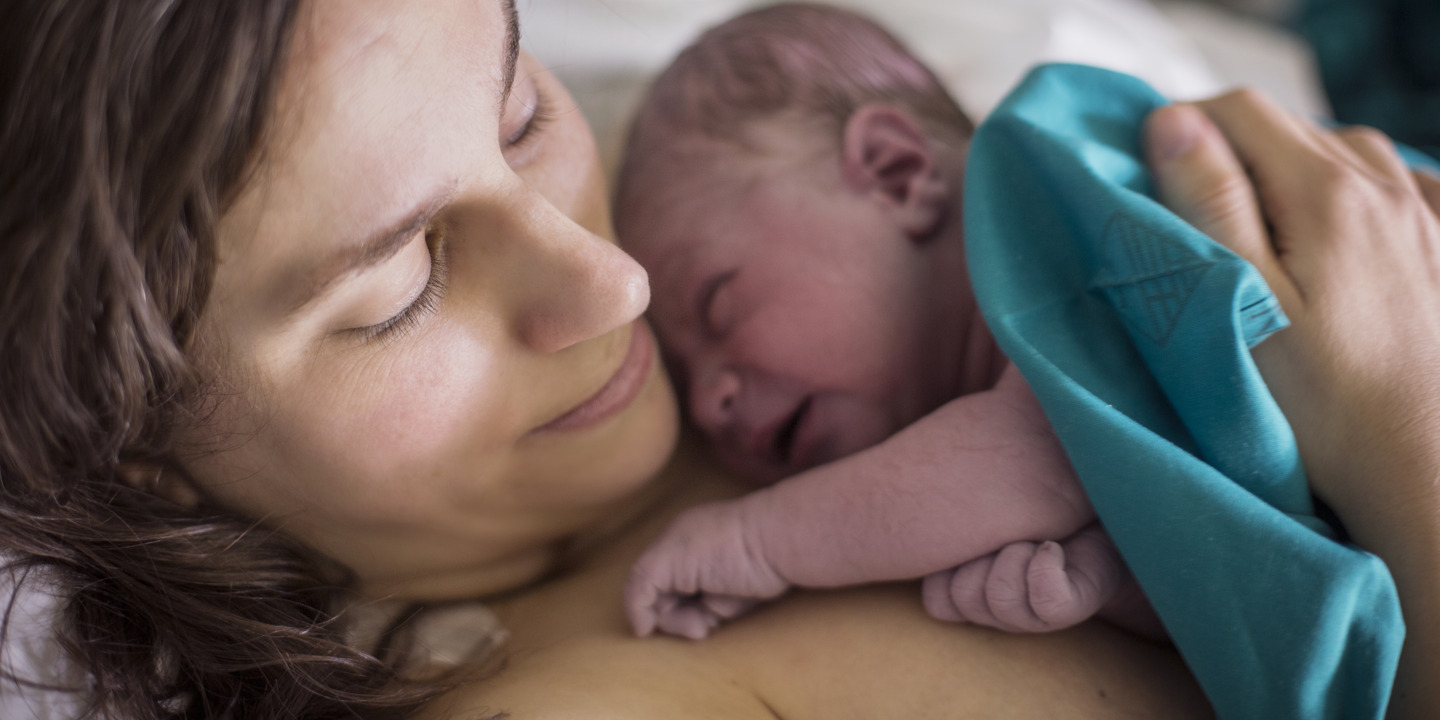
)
(429, 361)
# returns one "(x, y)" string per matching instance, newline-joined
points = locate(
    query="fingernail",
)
(1175, 132)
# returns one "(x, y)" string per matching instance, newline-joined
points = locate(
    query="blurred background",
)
(1374, 62)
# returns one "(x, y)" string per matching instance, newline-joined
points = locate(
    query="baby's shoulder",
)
(1010, 397)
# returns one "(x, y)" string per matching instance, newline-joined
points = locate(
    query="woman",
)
(326, 313)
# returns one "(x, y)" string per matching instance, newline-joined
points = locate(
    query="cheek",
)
(414, 408)
(830, 335)
(377, 442)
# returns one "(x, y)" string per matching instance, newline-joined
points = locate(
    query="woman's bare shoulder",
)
(604, 679)
(873, 652)
(857, 652)
(868, 652)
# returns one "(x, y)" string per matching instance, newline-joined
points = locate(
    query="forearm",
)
(942, 492)
(1402, 527)
(1417, 576)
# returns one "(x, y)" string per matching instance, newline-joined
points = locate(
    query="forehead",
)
(678, 223)
(382, 103)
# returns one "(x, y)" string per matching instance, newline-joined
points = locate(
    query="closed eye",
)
(706, 305)
(540, 115)
(422, 306)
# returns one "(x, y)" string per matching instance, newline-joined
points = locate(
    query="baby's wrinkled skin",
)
(816, 308)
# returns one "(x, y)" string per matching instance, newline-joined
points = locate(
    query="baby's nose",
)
(712, 399)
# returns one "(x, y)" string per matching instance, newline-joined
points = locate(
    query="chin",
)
(599, 466)
(754, 470)
(652, 433)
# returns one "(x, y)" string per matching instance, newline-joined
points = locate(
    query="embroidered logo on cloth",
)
(1147, 277)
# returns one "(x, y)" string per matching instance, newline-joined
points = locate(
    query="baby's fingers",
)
(1007, 589)
(935, 596)
(1070, 584)
(640, 598)
(967, 592)
(687, 619)
(727, 607)
(650, 592)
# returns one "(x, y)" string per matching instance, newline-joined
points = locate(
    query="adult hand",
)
(1349, 241)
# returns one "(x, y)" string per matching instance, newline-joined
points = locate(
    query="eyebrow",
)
(383, 245)
(512, 49)
(375, 250)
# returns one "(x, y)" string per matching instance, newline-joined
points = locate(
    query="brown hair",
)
(127, 128)
(817, 61)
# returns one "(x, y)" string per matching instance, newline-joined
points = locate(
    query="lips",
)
(777, 441)
(616, 394)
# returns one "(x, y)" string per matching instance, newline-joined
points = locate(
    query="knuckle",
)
(1017, 550)
(1005, 589)
(642, 574)
(1335, 183)
(1367, 135)
(1243, 96)
(972, 607)
(1227, 196)
(1052, 602)
(969, 596)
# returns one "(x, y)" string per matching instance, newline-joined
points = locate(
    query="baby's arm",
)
(981, 472)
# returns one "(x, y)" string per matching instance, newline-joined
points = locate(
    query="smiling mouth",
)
(783, 445)
(617, 393)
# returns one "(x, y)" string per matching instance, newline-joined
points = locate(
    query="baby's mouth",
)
(783, 446)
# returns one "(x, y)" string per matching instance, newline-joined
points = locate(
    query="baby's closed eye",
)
(715, 307)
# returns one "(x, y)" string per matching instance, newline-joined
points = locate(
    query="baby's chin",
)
(762, 471)
(754, 470)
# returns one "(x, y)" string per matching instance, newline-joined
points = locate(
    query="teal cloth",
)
(1134, 330)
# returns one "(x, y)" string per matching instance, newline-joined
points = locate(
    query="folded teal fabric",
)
(1134, 330)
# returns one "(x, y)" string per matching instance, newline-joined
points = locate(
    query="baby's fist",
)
(706, 568)
(1031, 587)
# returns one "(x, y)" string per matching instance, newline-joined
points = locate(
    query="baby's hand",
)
(1030, 587)
(706, 568)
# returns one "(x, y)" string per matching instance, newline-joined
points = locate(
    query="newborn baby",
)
(793, 186)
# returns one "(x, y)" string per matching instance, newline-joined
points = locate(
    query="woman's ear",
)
(157, 479)
(887, 155)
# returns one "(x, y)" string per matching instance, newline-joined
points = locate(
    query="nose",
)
(713, 393)
(569, 285)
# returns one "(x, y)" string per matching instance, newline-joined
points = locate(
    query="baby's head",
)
(792, 184)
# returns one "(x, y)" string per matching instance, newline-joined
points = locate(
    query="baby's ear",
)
(888, 156)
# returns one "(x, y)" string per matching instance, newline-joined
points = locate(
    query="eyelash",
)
(539, 118)
(707, 301)
(429, 297)
(425, 303)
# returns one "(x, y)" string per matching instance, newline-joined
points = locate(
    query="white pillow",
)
(606, 50)
(31, 652)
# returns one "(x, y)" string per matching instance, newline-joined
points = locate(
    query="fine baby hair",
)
(816, 62)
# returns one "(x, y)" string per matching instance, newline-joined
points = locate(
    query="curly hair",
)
(126, 126)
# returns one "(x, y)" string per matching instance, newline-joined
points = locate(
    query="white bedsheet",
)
(606, 50)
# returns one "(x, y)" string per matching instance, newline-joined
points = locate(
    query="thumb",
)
(1199, 178)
